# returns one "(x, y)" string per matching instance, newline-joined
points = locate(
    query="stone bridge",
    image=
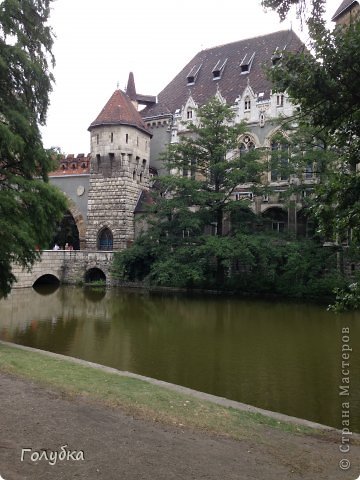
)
(72, 267)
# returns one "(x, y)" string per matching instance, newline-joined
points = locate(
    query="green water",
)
(275, 355)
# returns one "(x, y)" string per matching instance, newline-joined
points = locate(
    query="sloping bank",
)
(147, 397)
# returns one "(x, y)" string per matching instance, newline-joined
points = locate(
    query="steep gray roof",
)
(231, 82)
(345, 5)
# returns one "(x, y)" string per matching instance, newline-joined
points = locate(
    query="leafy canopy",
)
(324, 85)
(29, 206)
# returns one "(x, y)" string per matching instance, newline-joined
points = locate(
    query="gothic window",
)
(127, 138)
(97, 139)
(276, 57)
(105, 239)
(189, 114)
(279, 161)
(280, 100)
(246, 145)
(111, 137)
(140, 177)
(262, 120)
(247, 104)
(134, 175)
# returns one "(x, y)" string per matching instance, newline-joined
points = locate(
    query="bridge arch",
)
(49, 278)
(95, 274)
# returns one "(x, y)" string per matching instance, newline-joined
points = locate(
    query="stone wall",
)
(67, 266)
(119, 171)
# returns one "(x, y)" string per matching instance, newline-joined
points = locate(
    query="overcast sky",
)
(98, 43)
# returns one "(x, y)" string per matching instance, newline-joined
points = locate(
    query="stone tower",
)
(119, 172)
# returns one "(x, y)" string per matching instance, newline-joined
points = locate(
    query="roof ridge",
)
(244, 40)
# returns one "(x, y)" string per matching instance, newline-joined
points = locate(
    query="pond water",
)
(280, 356)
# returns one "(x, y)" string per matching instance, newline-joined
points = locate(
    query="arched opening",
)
(47, 279)
(105, 239)
(275, 219)
(95, 275)
(67, 233)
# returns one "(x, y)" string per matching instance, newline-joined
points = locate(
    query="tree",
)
(324, 85)
(209, 167)
(29, 206)
(197, 197)
(189, 242)
(314, 18)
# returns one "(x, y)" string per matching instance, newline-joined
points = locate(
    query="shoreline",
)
(178, 389)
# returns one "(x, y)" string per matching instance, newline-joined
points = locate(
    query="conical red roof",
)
(119, 110)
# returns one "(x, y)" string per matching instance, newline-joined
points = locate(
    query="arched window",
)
(279, 161)
(246, 145)
(247, 104)
(105, 240)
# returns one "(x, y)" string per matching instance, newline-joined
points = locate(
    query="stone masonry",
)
(69, 267)
(119, 171)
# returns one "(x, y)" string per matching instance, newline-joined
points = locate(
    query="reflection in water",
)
(279, 356)
(46, 289)
(94, 294)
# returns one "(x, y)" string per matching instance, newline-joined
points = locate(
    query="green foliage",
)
(312, 16)
(323, 83)
(206, 167)
(29, 206)
(187, 244)
(346, 298)
(254, 264)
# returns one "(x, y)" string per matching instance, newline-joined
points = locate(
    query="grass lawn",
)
(138, 397)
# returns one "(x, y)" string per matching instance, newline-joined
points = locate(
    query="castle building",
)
(236, 73)
(107, 188)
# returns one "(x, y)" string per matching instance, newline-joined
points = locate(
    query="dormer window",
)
(246, 63)
(276, 57)
(247, 104)
(218, 69)
(192, 75)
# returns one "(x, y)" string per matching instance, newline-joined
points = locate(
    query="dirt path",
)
(118, 446)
